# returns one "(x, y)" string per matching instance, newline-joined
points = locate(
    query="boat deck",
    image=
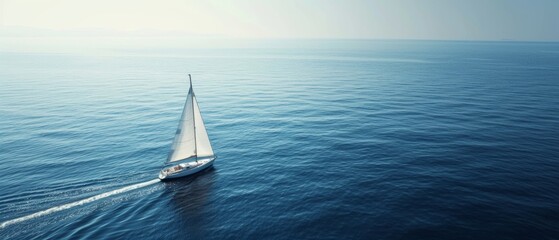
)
(184, 166)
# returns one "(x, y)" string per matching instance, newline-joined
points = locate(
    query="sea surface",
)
(359, 140)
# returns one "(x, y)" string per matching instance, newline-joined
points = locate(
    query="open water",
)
(360, 140)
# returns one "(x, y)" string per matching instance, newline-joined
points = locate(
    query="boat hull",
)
(188, 169)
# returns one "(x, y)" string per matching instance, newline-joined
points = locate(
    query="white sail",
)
(184, 143)
(203, 145)
(191, 138)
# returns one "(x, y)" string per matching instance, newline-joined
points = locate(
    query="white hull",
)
(185, 169)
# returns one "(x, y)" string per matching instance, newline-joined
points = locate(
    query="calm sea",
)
(360, 140)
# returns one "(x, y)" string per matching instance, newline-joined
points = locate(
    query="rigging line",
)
(193, 119)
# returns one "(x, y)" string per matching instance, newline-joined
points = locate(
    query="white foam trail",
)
(77, 203)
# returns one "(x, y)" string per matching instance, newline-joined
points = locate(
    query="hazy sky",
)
(390, 19)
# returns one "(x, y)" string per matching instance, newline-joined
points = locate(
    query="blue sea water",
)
(360, 140)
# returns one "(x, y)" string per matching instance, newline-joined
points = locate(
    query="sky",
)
(493, 20)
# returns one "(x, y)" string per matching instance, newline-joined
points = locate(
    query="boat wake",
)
(77, 203)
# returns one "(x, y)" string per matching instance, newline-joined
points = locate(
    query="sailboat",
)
(191, 151)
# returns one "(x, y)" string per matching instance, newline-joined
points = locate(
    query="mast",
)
(193, 119)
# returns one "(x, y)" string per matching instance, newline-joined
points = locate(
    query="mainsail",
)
(191, 139)
(203, 145)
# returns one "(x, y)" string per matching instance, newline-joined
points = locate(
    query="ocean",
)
(356, 140)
